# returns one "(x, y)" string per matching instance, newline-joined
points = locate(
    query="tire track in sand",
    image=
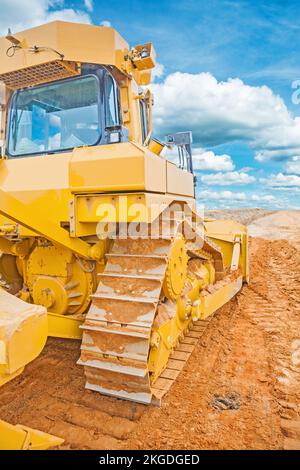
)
(275, 306)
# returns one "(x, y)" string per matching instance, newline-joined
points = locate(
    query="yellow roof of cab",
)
(75, 42)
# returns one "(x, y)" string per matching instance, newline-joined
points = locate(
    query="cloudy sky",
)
(229, 70)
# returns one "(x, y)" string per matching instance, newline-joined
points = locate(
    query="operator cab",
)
(62, 115)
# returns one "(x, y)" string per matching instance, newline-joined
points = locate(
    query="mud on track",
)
(248, 357)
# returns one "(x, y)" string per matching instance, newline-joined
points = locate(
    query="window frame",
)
(62, 150)
(144, 119)
(108, 77)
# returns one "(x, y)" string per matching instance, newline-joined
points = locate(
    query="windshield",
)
(55, 117)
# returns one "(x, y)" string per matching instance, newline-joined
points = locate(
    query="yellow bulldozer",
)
(100, 239)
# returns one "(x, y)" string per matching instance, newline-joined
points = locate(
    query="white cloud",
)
(286, 189)
(293, 166)
(281, 180)
(158, 71)
(170, 154)
(204, 160)
(89, 5)
(68, 14)
(19, 15)
(235, 198)
(207, 160)
(220, 112)
(106, 24)
(227, 179)
(263, 197)
(222, 196)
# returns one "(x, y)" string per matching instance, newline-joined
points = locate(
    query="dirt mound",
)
(244, 216)
(277, 226)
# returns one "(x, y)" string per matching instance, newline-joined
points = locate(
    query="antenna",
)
(12, 38)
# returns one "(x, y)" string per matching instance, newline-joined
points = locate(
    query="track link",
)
(117, 329)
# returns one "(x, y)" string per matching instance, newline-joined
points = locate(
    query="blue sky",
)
(237, 61)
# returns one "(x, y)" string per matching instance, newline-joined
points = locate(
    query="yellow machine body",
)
(62, 213)
(23, 334)
(23, 438)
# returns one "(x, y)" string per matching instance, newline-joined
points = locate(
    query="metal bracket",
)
(183, 141)
(236, 253)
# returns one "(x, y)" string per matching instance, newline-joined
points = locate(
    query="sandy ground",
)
(239, 389)
(245, 216)
(278, 225)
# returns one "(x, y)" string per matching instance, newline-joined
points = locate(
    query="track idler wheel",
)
(177, 269)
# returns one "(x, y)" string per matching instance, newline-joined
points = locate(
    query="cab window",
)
(55, 117)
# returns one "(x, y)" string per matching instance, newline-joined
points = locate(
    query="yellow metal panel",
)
(11, 437)
(22, 350)
(212, 302)
(43, 173)
(155, 173)
(64, 326)
(88, 210)
(44, 189)
(125, 208)
(225, 228)
(223, 233)
(115, 167)
(23, 334)
(77, 42)
(23, 438)
(23, 214)
(126, 166)
(179, 181)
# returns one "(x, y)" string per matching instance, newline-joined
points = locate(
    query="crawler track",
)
(117, 331)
